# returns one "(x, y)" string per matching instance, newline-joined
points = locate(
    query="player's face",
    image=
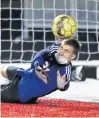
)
(66, 52)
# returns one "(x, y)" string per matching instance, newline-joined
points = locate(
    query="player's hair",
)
(74, 43)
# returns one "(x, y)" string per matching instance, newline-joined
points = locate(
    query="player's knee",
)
(4, 72)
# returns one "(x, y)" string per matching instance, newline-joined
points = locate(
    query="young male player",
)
(50, 70)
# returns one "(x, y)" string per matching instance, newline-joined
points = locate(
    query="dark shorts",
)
(9, 92)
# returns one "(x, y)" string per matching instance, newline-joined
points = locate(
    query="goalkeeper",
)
(50, 70)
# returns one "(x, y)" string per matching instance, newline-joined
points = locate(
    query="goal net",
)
(26, 28)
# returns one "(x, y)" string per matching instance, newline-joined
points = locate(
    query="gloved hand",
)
(61, 80)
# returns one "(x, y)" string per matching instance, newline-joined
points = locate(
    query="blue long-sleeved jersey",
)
(31, 86)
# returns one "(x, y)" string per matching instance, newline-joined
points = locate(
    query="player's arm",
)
(63, 82)
(37, 65)
(50, 49)
(41, 73)
(39, 61)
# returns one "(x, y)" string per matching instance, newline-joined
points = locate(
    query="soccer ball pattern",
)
(64, 26)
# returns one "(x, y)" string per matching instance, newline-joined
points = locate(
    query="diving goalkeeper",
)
(50, 70)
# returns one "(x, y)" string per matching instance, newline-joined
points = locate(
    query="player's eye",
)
(66, 51)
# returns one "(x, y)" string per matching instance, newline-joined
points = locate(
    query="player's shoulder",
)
(55, 45)
(53, 48)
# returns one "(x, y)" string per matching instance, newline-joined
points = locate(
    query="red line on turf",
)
(50, 108)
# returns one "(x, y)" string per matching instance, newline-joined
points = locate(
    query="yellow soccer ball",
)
(64, 26)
